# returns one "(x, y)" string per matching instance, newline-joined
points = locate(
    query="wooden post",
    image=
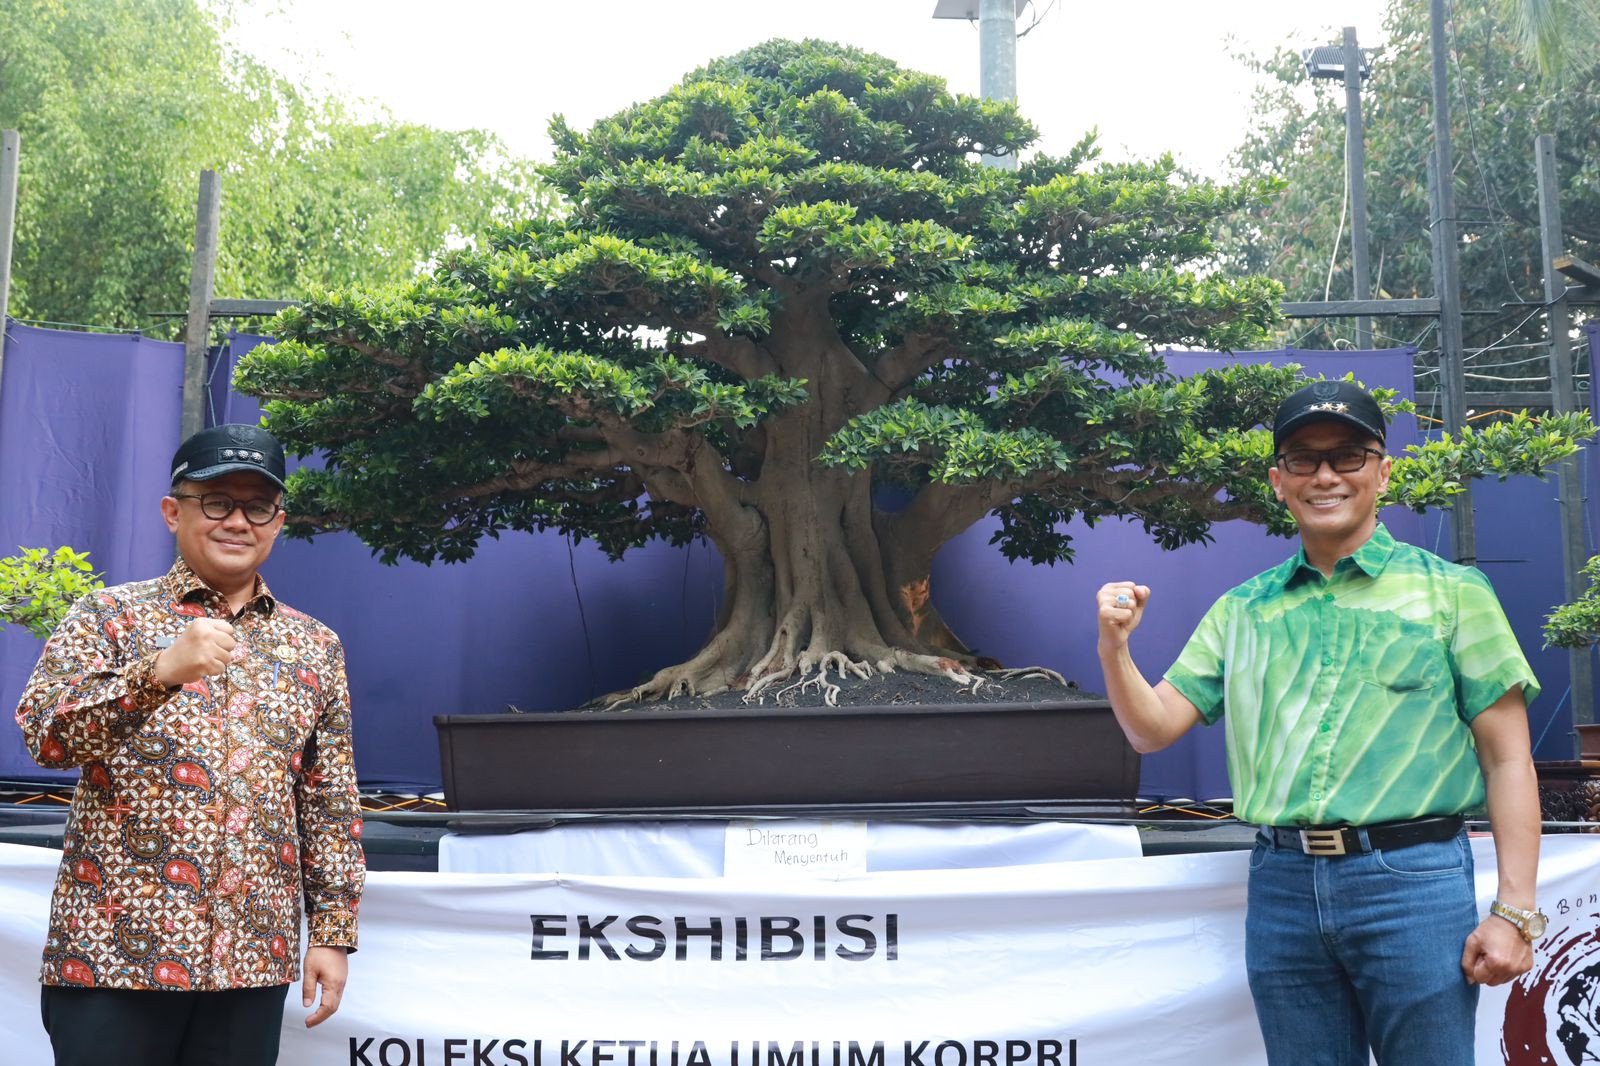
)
(1447, 282)
(1564, 398)
(10, 151)
(202, 278)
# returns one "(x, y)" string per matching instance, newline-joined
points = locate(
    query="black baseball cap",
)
(1328, 401)
(226, 450)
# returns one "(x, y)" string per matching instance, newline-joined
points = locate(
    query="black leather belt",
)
(1346, 839)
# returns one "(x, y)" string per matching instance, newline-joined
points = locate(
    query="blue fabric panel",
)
(88, 424)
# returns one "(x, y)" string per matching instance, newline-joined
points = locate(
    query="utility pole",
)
(1447, 283)
(1355, 149)
(997, 61)
(1563, 399)
(10, 157)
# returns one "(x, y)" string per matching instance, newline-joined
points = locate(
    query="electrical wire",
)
(583, 619)
(222, 358)
(72, 325)
(1338, 234)
(1552, 719)
(1529, 317)
(1491, 201)
(1501, 377)
(1039, 16)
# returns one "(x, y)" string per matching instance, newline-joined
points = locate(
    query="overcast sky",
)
(1152, 75)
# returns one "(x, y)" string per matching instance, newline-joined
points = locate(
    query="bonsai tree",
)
(1577, 624)
(39, 585)
(788, 311)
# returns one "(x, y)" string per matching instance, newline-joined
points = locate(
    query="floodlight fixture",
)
(1328, 62)
(965, 9)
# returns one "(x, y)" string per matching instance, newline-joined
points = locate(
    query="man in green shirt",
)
(1373, 694)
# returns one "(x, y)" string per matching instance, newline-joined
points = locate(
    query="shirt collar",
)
(182, 584)
(1370, 558)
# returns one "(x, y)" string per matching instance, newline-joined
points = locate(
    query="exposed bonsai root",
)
(704, 675)
(844, 665)
(1029, 673)
(707, 675)
(916, 663)
(880, 660)
(830, 691)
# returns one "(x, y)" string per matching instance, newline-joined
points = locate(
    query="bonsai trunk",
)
(817, 580)
(812, 587)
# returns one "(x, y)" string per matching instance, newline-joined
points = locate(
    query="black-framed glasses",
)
(219, 505)
(1344, 460)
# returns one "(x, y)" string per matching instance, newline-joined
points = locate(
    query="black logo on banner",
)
(769, 938)
(1556, 1005)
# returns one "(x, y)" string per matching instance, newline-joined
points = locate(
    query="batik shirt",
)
(203, 813)
(1348, 698)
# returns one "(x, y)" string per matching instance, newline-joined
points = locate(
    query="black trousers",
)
(100, 1026)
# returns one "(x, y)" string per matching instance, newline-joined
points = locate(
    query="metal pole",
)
(1447, 283)
(997, 65)
(10, 156)
(1564, 398)
(1355, 149)
(202, 277)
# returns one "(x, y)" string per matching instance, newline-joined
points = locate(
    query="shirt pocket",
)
(1400, 657)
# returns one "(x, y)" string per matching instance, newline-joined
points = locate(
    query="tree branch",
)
(740, 355)
(376, 354)
(940, 512)
(916, 353)
(527, 474)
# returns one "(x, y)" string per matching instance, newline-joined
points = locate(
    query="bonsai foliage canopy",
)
(786, 309)
(1577, 624)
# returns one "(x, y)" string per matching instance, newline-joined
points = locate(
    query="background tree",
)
(1499, 103)
(1558, 35)
(38, 586)
(120, 104)
(789, 312)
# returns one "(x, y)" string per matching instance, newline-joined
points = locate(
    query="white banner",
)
(702, 848)
(1136, 962)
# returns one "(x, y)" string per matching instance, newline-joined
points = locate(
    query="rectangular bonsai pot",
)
(643, 759)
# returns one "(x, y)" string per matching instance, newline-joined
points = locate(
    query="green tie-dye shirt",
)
(1348, 697)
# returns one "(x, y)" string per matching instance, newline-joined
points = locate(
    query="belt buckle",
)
(1322, 841)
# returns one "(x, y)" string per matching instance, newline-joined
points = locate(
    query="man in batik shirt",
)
(211, 727)
(1373, 695)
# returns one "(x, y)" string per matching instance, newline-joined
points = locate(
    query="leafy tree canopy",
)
(1499, 104)
(783, 282)
(121, 103)
(38, 586)
(1577, 624)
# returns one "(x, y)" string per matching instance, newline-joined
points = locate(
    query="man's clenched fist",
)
(201, 650)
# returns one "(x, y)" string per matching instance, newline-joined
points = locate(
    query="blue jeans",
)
(1362, 951)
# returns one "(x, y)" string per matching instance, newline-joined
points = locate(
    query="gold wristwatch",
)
(1531, 924)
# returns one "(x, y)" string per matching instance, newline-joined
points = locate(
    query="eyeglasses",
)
(1345, 460)
(218, 505)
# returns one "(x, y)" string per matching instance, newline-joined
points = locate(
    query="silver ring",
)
(1122, 599)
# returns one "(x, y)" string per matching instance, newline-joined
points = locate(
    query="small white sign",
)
(794, 848)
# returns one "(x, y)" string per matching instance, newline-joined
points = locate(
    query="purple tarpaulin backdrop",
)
(84, 444)
(535, 622)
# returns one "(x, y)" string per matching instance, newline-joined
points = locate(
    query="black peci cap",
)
(1337, 401)
(229, 449)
